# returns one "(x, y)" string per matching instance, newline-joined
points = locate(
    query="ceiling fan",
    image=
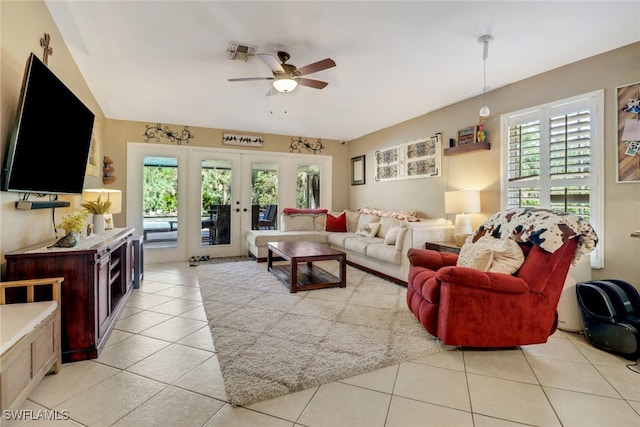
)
(287, 76)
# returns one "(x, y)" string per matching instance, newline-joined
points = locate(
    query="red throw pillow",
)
(336, 223)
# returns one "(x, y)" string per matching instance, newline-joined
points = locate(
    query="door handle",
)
(237, 209)
(245, 210)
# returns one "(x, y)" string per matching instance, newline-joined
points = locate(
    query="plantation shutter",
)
(549, 159)
(523, 162)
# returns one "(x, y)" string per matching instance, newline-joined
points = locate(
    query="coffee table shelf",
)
(300, 274)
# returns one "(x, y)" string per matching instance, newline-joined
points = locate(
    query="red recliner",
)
(463, 306)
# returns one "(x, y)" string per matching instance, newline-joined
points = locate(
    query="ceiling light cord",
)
(484, 111)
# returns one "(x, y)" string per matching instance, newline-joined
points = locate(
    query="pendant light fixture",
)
(484, 111)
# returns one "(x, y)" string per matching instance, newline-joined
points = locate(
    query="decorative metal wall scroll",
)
(156, 132)
(628, 137)
(415, 159)
(297, 144)
(246, 141)
(44, 44)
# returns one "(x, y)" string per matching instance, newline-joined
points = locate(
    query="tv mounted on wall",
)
(50, 142)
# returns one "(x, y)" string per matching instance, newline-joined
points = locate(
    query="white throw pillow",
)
(491, 254)
(391, 236)
(387, 223)
(400, 239)
(508, 259)
(368, 229)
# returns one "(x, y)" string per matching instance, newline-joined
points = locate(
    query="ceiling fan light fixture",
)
(484, 111)
(285, 84)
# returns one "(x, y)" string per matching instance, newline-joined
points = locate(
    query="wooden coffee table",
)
(309, 276)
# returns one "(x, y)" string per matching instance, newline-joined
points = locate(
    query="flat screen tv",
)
(49, 145)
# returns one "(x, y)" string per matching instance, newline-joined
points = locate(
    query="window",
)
(552, 158)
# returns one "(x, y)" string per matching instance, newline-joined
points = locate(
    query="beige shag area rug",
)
(271, 342)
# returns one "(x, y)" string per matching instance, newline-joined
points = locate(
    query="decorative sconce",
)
(297, 144)
(107, 170)
(157, 131)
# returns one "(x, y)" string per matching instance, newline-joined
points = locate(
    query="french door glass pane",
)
(264, 196)
(215, 208)
(308, 186)
(160, 202)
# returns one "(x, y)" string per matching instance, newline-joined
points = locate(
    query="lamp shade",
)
(114, 196)
(462, 201)
(285, 85)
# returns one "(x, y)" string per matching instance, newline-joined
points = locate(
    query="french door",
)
(194, 202)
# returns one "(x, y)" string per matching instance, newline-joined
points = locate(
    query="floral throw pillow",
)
(368, 229)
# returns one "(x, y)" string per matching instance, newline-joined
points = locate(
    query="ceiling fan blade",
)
(248, 79)
(316, 84)
(271, 62)
(316, 66)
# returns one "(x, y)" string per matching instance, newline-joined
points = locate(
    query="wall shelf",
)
(465, 148)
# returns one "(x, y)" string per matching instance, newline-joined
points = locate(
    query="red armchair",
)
(463, 306)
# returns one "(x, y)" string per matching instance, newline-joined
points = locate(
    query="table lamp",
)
(462, 203)
(114, 196)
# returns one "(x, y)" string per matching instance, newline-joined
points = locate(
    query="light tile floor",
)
(160, 368)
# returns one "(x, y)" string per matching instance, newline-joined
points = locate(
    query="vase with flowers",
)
(98, 208)
(72, 224)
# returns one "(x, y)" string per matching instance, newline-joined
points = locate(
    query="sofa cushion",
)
(368, 229)
(383, 252)
(391, 236)
(260, 238)
(359, 244)
(352, 220)
(319, 222)
(386, 223)
(338, 239)
(336, 224)
(297, 223)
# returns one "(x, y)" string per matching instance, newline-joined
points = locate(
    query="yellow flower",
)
(74, 222)
(97, 206)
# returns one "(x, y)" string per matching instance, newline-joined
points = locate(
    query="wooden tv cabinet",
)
(97, 283)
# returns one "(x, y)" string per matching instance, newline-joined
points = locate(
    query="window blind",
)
(549, 158)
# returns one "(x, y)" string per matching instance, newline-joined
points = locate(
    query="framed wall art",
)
(416, 159)
(94, 165)
(358, 170)
(467, 135)
(628, 136)
(242, 140)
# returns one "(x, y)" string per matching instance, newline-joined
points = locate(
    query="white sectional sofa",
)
(384, 253)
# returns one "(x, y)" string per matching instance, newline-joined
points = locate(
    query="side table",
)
(450, 247)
